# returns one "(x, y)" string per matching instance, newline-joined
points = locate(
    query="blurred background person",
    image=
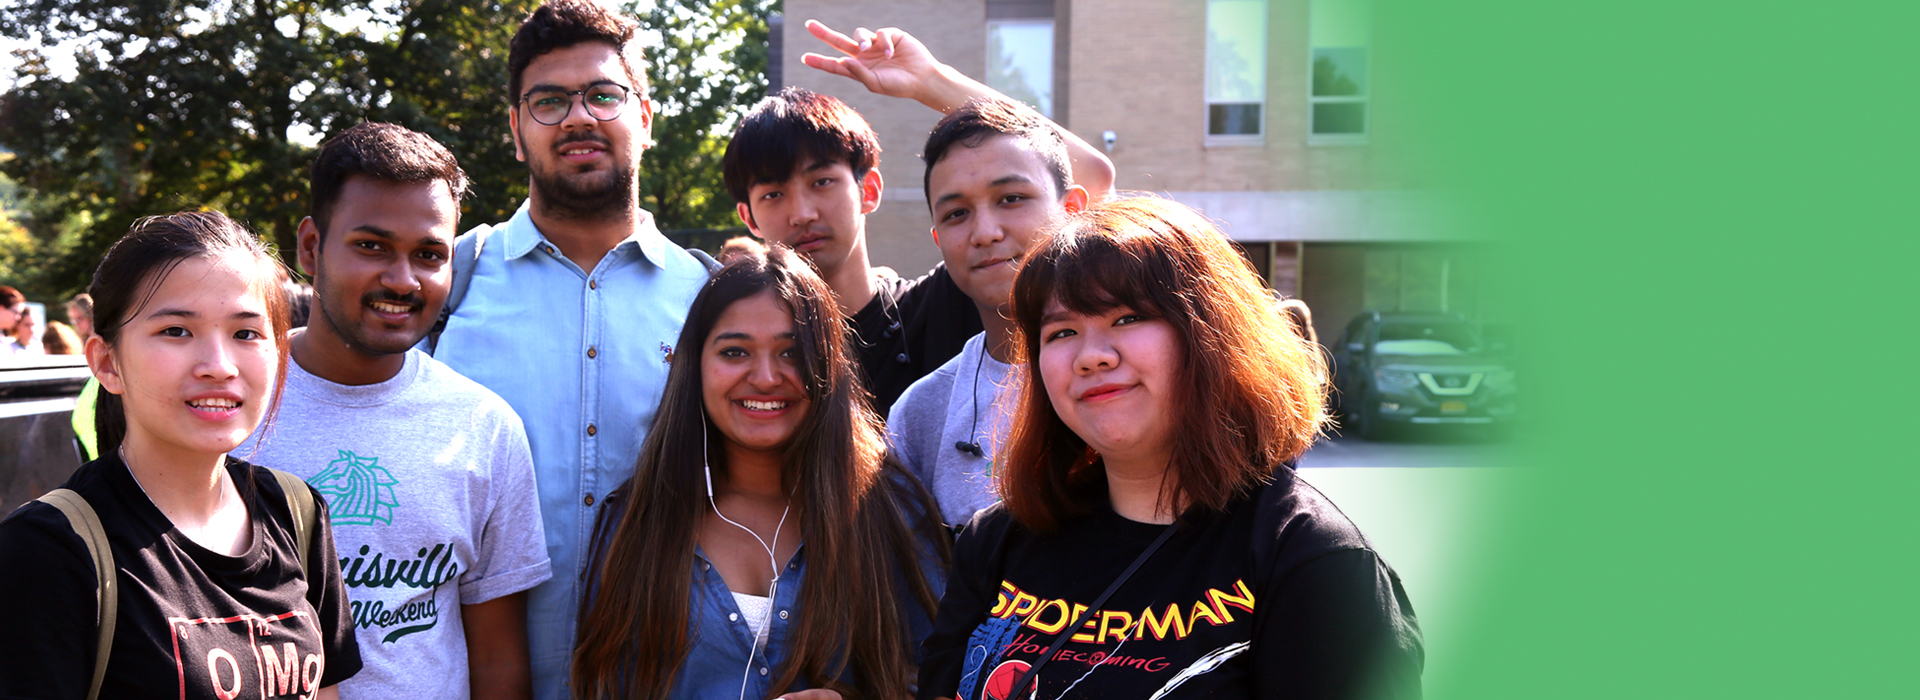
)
(80, 314)
(60, 339)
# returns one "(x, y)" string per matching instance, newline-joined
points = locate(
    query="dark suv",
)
(1393, 369)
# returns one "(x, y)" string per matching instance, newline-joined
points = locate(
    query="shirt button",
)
(783, 614)
(592, 431)
(589, 499)
(549, 250)
(763, 670)
(733, 617)
(900, 358)
(593, 284)
(592, 353)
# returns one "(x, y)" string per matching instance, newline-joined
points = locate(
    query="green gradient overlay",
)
(1712, 215)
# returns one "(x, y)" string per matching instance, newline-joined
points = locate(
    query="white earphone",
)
(773, 587)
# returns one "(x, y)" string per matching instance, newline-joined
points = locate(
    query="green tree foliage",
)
(216, 103)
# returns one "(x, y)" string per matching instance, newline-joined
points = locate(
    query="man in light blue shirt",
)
(575, 302)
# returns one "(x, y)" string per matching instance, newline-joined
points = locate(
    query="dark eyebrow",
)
(738, 335)
(551, 86)
(821, 164)
(1015, 179)
(1055, 316)
(430, 240)
(189, 314)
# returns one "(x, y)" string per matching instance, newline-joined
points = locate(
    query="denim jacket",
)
(719, 638)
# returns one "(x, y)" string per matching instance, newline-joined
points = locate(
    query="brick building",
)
(1275, 117)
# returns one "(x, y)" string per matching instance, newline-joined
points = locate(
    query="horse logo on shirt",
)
(359, 491)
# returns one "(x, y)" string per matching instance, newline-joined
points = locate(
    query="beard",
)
(329, 307)
(588, 196)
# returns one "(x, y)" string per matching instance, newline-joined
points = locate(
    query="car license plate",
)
(1453, 407)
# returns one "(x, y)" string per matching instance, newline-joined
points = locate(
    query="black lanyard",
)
(1065, 634)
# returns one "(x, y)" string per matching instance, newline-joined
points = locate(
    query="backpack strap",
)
(705, 259)
(466, 257)
(300, 503)
(106, 589)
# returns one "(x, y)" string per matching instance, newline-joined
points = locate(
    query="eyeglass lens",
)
(551, 106)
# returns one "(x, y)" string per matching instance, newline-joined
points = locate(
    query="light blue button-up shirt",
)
(582, 357)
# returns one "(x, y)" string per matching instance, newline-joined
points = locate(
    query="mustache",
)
(583, 138)
(412, 300)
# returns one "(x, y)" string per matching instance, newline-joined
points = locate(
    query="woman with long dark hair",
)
(766, 544)
(204, 589)
(1151, 540)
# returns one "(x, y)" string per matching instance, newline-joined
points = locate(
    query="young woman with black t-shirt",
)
(213, 602)
(1164, 391)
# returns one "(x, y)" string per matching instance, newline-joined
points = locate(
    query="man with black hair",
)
(998, 173)
(424, 471)
(571, 308)
(801, 169)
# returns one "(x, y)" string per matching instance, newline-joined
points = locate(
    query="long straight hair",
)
(134, 267)
(1250, 393)
(861, 551)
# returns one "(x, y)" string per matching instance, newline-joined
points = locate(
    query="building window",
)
(1020, 61)
(1236, 67)
(1340, 36)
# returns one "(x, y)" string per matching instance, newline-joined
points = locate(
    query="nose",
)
(1096, 354)
(765, 375)
(216, 359)
(401, 277)
(805, 210)
(987, 229)
(577, 116)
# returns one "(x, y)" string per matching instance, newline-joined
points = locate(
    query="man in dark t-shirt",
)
(801, 168)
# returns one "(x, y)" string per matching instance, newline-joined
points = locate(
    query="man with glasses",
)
(605, 291)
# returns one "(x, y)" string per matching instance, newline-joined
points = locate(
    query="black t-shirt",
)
(192, 623)
(909, 329)
(1278, 596)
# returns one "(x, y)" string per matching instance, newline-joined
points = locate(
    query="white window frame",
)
(1206, 113)
(1365, 98)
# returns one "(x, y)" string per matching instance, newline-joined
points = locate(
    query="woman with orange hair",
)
(1151, 538)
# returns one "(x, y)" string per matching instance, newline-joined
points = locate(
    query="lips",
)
(215, 406)
(394, 308)
(581, 149)
(989, 263)
(1105, 392)
(810, 240)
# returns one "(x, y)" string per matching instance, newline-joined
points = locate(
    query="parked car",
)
(1398, 369)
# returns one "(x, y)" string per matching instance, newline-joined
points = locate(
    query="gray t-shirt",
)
(430, 487)
(931, 416)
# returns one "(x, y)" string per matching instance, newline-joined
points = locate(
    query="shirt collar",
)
(522, 237)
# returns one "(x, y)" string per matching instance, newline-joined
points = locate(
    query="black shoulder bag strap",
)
(1065, 634)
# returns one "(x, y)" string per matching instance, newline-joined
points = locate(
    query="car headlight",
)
(1502, 379)
(1395, 380)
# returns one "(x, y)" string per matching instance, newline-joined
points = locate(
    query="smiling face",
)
(819, 211)
(195, 363)
(582, 166)
(750, 375)
(1112, 379)
(990, 203)
(381, 273)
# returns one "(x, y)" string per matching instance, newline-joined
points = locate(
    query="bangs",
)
(1104, 271)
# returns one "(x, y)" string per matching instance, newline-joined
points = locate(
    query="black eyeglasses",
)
(603, 101)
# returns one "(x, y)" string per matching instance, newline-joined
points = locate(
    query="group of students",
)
(563, 457)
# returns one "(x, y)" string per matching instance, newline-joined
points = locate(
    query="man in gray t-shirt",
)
(427, 475)
(997, 174)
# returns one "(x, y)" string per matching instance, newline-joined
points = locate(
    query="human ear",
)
(513, 126)
(870, 186)
(1075, 200)
(100, 360)
(746, 217)
(307, 246)
(935, 230)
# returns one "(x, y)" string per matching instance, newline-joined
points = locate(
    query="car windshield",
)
(1427, 339)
